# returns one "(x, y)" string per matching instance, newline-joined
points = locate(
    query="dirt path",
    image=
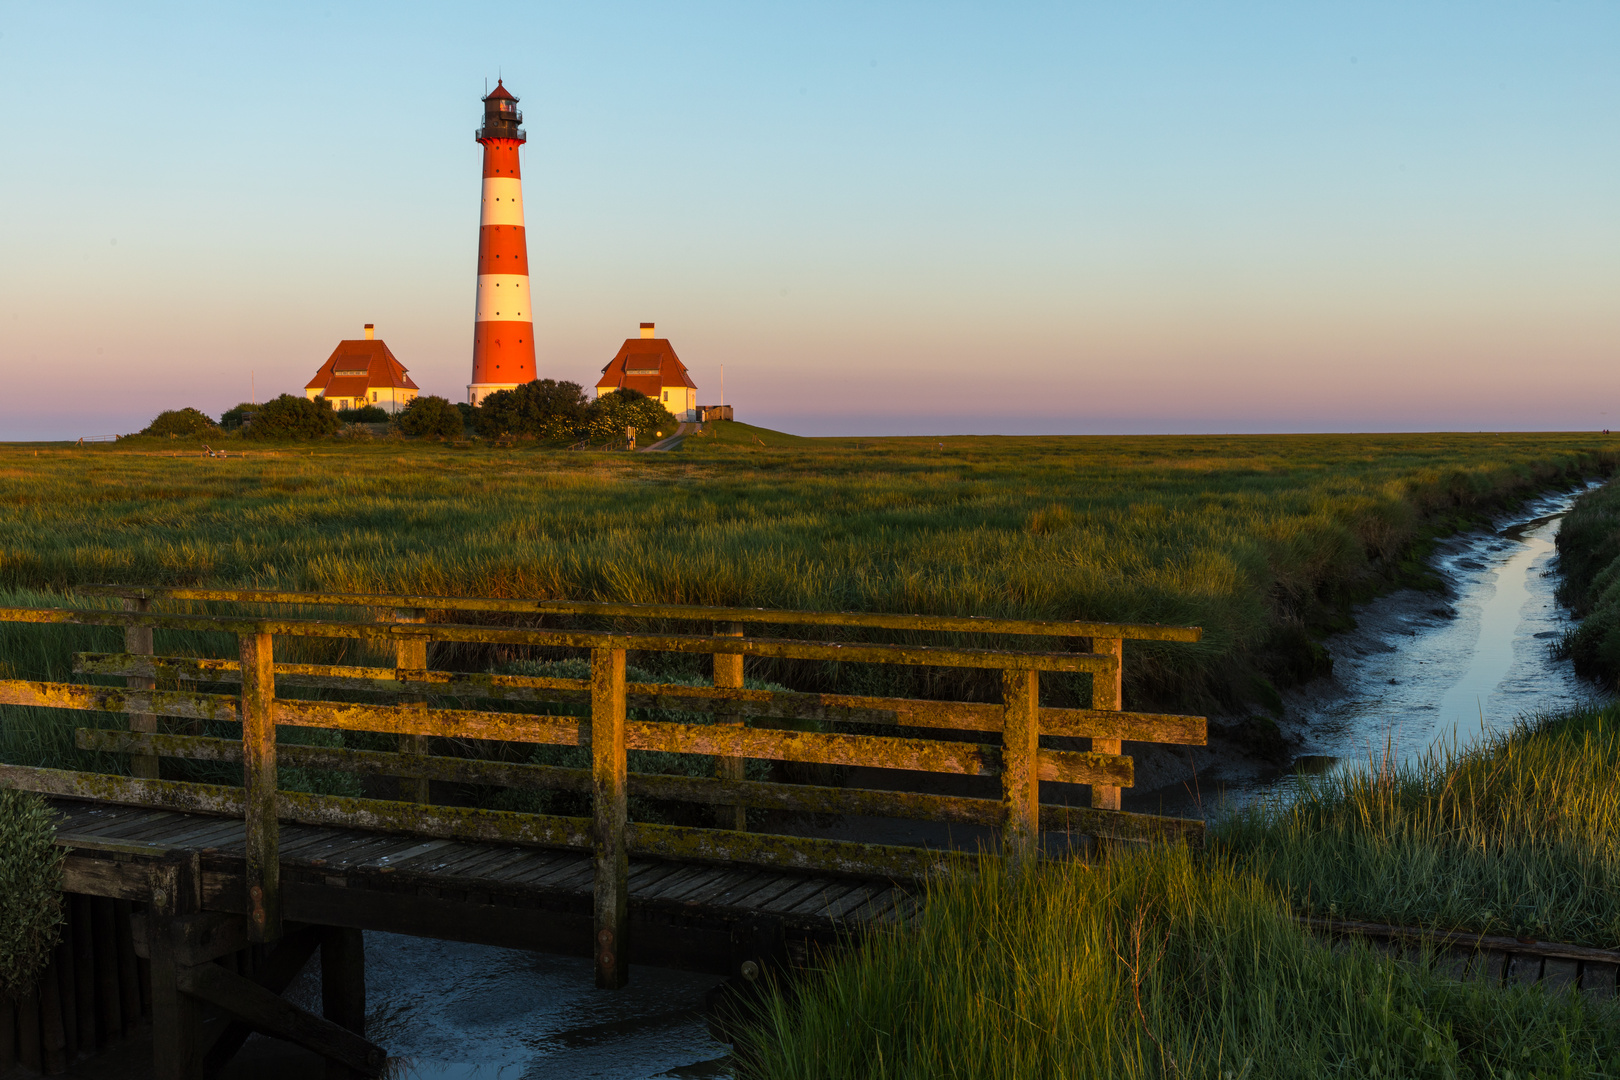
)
(674, 440)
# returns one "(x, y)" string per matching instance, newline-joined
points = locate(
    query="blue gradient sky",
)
(919, 218)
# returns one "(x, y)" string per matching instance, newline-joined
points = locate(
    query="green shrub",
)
(30, 890)
(432, 417)
(608, 416)
(232, 419)
(180, 422)
(366, 414)
(290, 417)
(545, 407)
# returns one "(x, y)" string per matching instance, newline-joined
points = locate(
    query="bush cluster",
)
(292, 417)
(180, 423)
(431, 416)
(233, 419)
(30, 891)
(549, 409)
(544, 409)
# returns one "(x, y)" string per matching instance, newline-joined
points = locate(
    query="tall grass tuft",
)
(1156, 965)
(1518, 835)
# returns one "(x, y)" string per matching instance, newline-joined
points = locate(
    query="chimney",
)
(371, 332)
(646, 329)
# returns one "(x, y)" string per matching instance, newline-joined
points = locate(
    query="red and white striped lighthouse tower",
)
(503, 329)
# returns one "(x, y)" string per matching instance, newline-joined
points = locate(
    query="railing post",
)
(608, 791)
(1107, 692)
(138, 642)
(728, 675)
(259, 782)
(1020, 777)
(411, 655)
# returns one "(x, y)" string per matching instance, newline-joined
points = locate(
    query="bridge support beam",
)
(609, 785)
(728, 675)
(410, 654)
(1107, 692)
(259, 784)
(1020, 776)
(138, 642)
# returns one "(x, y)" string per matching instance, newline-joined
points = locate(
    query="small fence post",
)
(728, 675)
(1020, 775)
(611, 895)
(1107, 693)
(259, 782)
(138, 642)
(411, 655)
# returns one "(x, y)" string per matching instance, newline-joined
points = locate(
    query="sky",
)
(880, 218)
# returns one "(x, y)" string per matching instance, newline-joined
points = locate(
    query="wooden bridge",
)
(198, 903)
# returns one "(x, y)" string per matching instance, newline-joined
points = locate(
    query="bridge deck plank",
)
(487, 892)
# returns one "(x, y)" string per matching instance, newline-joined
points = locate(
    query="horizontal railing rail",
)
(733, 724)
(769, 704)
(970, 624)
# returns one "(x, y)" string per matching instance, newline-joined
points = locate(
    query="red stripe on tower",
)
(503, 328)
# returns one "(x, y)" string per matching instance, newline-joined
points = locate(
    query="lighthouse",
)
(503, 328)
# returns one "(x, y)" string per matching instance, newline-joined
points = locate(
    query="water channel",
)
(1418, 668)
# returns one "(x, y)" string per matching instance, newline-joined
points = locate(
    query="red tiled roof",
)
(500, 92)
(644, 364)
(364, 363)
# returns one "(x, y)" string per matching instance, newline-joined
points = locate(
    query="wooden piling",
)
(728, 675)
(608, 794)
(1107, 692)
(109, 1014)
(129, 978)
(343, 987)
(411, 655)
(138, 641)
(84, 970)
(62, 960)
(1020, 777)
(259, 782)
(52, 1031)
(176, 1049)
(8, 1035)
(28, 1050)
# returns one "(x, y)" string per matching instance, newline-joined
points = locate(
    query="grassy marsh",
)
(1154, 964)
(1162, 962)
(1255, 538)
(1518, 835)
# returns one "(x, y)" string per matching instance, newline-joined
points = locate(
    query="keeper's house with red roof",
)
(649, 364)
(361, 373)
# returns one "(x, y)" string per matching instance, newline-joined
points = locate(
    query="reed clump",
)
(1589, 560)
(1153, 964)
(1518, 835)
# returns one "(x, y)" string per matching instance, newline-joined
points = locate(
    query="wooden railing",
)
(1013, 753)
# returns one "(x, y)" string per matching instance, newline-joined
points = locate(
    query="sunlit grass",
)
(1254, 538)
(1153, 964)
(1519, 835)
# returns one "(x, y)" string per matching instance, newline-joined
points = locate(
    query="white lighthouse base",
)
(477, 392)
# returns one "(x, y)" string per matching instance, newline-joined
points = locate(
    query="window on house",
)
(374, 395)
